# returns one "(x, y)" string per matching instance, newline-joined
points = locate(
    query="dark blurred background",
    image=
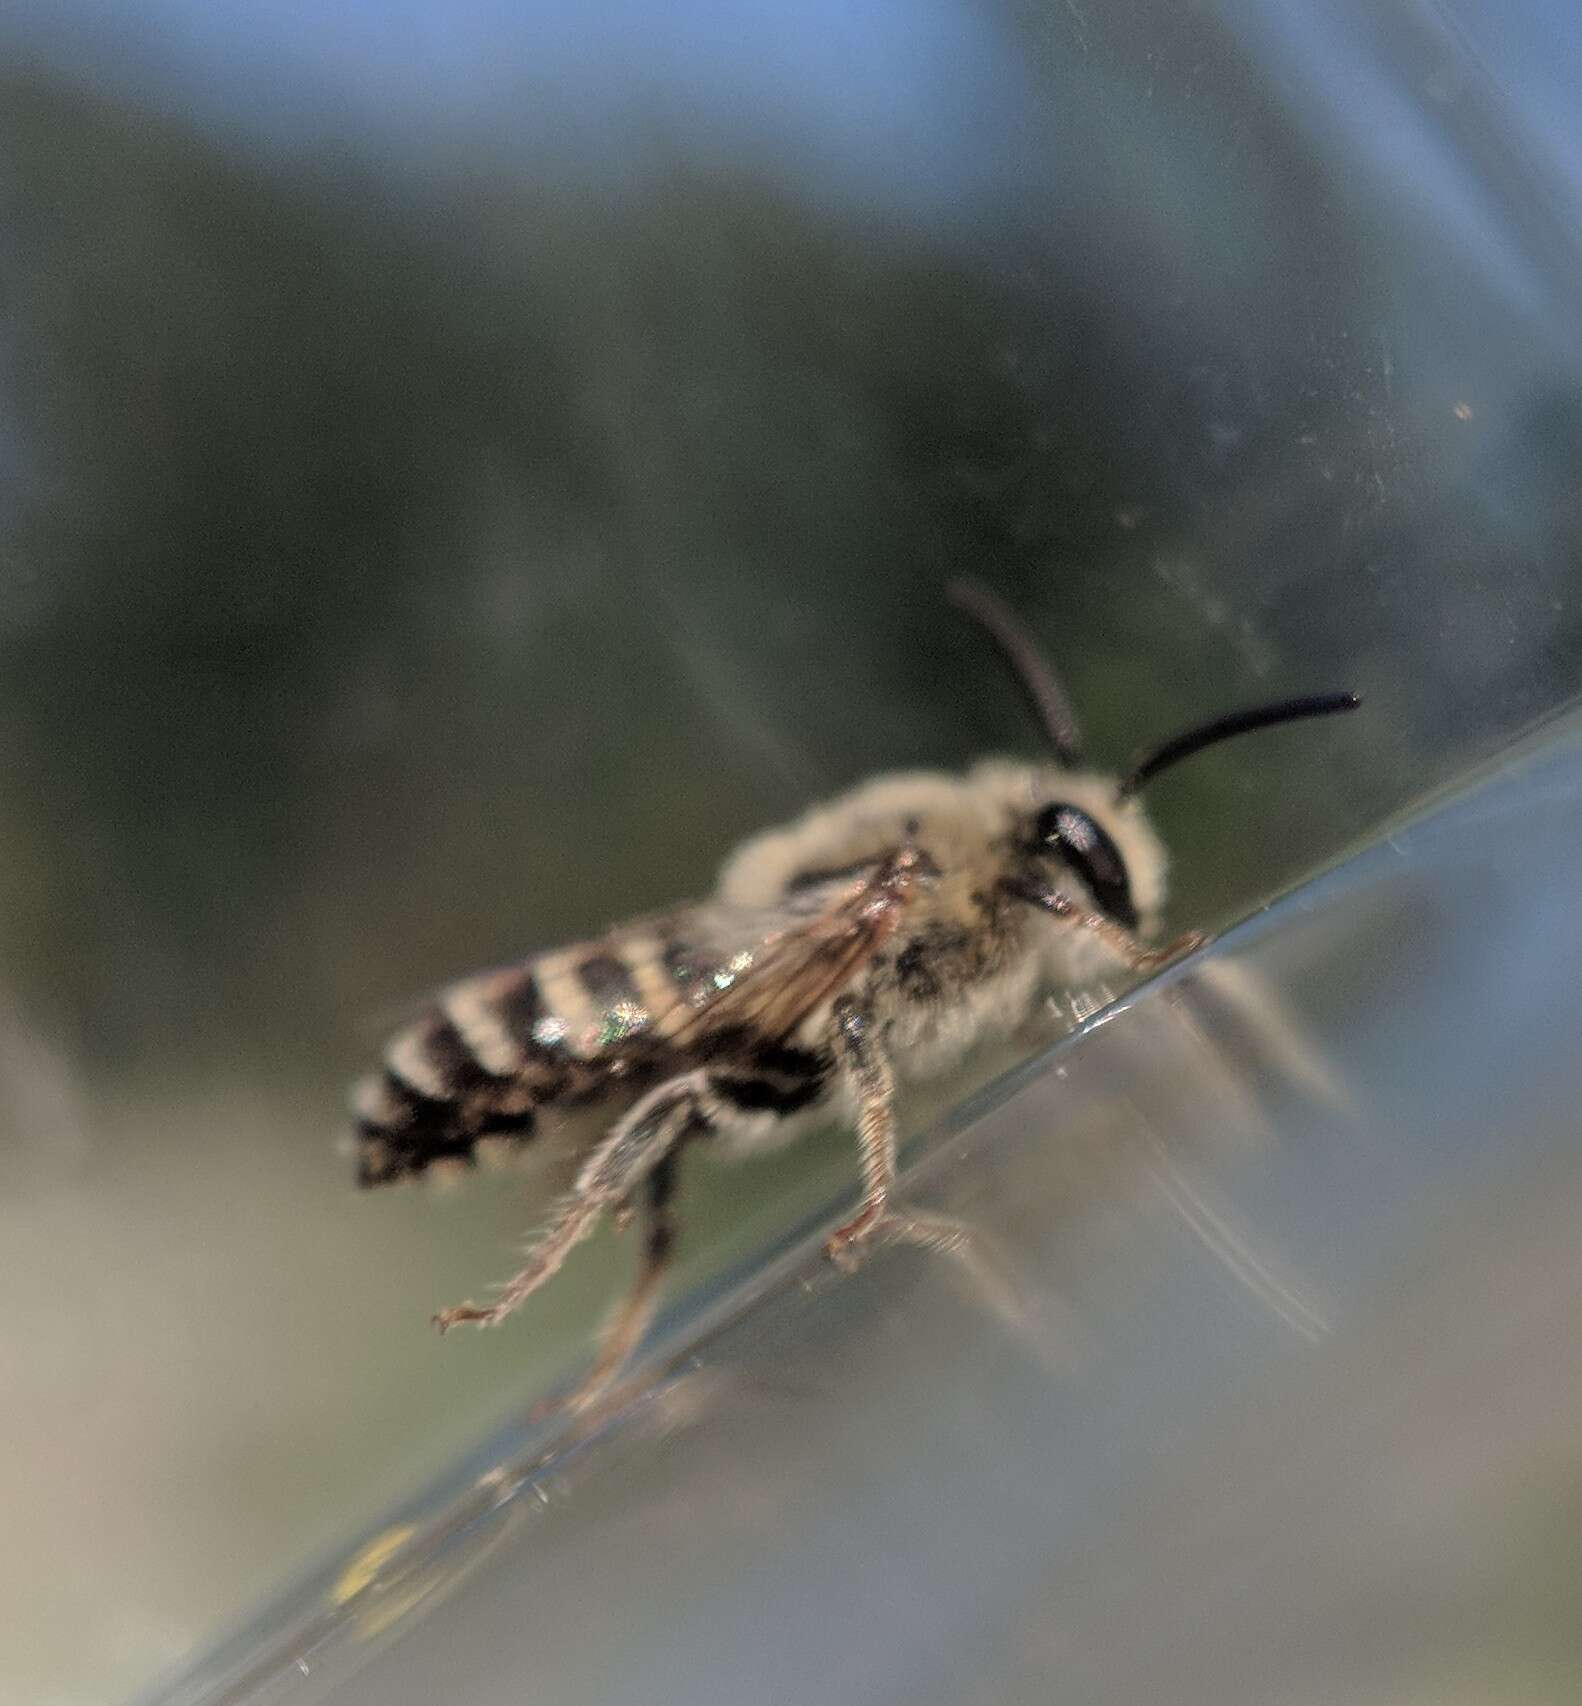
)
(462, 468)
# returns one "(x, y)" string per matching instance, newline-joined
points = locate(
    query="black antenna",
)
(1032, 668)
(1233, 723)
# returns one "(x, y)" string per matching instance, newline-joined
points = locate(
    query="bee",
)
(879, 937)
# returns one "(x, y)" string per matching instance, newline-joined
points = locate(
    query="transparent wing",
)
(763, 974)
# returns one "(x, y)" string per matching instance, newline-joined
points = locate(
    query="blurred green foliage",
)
(397, 572)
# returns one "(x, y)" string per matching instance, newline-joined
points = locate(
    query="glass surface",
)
(1258, 1382)
(464, 470)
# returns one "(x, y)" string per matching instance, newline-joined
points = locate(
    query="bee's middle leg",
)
(638, 1144)
(867, 1067)
(862, 1057)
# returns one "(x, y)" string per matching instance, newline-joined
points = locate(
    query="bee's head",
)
(1090, 830)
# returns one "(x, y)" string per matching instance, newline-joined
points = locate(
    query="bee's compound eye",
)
(1076, 837)
(1077, 834)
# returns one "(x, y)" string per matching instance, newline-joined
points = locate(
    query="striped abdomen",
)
(712, 987)
(490, 1052)
(604, 1018)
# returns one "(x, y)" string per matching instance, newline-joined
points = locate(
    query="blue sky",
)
(919, 108)
(905, 99)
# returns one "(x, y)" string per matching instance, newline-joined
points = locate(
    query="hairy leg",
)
(626, 1326)
(861, 1056)
(1117, 937)
(637, 1145)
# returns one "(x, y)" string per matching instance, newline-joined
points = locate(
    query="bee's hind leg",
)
(635, 1148)
(626, 1326)
(862, 1057)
